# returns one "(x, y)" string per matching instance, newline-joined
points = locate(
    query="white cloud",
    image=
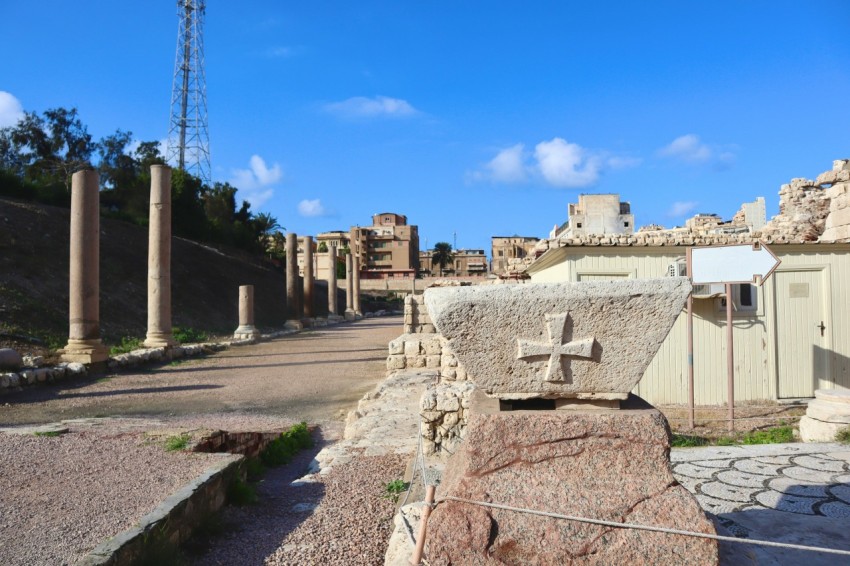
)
(279, 52)
(623, 162)
(507, 167)
(253, 183)
(555, 162)
(682, 208)
(692, 150)
(688, 148)
(565, 164)
(11, 110)
(311, 208)
(363, 107)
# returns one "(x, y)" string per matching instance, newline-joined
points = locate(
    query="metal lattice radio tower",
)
(188, 133)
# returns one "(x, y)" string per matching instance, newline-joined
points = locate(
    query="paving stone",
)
(790, 503)
(743, 479)
(835, 509)
(720, 490)
(754, 466)
(791, 486)
(818, 463)
(808, 475)
(694, 471)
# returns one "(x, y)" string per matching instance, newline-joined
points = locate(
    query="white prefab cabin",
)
(791, 336)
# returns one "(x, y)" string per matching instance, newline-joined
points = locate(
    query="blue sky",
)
(480, 118)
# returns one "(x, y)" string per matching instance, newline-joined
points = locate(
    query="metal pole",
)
(416, 559)
(690, 346)
(730, 359)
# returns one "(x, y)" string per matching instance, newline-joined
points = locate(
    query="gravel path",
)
(342, 518)
(61, 496)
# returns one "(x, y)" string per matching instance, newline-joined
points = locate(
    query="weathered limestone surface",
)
(332, 308)
(293, 313)
(159, 333)
(349, 288)
(826, 415)
(84, 344)
(246, 329)
(837, 224)
(589, 340)
(610, 465)
(355, 286)
(309, 308)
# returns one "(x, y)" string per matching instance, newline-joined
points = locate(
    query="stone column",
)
(356, 287)
(293, 312)
(84, 343)
(349, 287)
(332, 308)
(309, 311)
(159, 260)
(246, 329)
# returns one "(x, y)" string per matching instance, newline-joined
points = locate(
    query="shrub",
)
(189, 335)
(284, 447)
(177, 442)
(127, 344)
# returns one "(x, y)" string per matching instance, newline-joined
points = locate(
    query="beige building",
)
(791, 335)
(388, 249)
(465, 263)
(506, 250)
(597, 214)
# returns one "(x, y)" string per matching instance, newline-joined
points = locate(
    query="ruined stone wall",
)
(416, 319)
(837, 224)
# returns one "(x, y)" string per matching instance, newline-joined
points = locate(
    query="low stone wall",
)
(444, 410)
(416, 318)
(174, 520)
(248, 444)
(13, 381)
(442, 406)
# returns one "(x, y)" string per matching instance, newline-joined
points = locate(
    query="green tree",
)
(442, 255)
(323, 248)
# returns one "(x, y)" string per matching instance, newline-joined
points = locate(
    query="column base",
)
(350, 315)
(335, 318)
(293, 325)
(85, 352)
(246, 332)
(159, 340)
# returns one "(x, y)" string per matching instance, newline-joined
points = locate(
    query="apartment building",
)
(465, 263)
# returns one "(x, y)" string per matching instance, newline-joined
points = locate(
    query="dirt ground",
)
(315, 376)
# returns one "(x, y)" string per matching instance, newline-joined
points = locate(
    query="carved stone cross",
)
(555, 348)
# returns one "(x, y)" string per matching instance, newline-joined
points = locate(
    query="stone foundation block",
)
(612, 466)
(411, 347)
(432, 361)
(395, 362)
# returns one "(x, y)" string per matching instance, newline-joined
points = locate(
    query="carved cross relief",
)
(555, 349)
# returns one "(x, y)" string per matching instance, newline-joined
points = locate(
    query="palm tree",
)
(442, 255)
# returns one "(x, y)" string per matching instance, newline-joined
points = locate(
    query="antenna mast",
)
(188, 134)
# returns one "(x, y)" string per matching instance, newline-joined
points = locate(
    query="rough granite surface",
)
(611, 465)
(609, 331)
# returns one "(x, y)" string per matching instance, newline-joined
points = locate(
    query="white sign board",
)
(742, 263)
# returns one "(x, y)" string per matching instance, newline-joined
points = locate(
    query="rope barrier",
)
(646, 527)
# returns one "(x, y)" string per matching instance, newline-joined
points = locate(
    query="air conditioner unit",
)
(677, 269)
(709, 291)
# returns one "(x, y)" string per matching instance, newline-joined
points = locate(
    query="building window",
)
(626, 224)
(578, 224)
(744, 299)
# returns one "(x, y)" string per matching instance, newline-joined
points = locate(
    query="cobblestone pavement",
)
(812, 479)
(793, 493)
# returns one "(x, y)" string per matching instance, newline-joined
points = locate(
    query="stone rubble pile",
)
(837, 225)
(444, 409)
